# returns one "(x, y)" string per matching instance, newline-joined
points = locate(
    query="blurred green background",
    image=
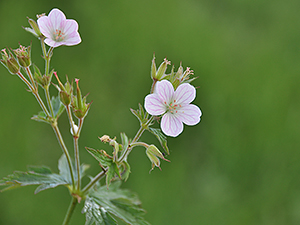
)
(240, 165)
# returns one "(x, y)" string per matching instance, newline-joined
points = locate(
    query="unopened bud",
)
(35, 30)
(9, 61)
(154, 154)
(23, 55)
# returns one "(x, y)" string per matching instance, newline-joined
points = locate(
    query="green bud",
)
(9, 61)
(35, 30)
(23, 55)
(79, 104)
(65, 91)
(154, 154)
(153, 68)
(42, 80)
(160, 73)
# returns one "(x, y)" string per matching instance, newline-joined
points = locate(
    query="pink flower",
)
(58, 30)
(174, 106)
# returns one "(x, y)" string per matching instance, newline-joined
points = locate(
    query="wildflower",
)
(58, 30)
(174, 106)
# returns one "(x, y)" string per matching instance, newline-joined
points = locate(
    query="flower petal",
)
(185, 94)
(153, 105)
(189, 114)
(57, 18)
(165, 91)
(45, 26)
(70, 26)
(171, 125)
(72, 39)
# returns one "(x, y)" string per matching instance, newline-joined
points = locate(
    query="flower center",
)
(59, 35)
(173, 107)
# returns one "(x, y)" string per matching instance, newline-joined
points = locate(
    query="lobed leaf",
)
(102, 205)
(42, 176)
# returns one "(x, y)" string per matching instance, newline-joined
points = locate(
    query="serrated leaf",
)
(42, 176)
(106, 162)
(64, 170)
(57, 106)
(101, 156)
(36, 177)
(161, 138)
(114, 202)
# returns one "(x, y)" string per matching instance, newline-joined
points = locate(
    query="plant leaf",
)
(42, 176)
(106, 163)
(161, 138)
(58, 107)
(38, 176)
(102, 205)
(41, 117)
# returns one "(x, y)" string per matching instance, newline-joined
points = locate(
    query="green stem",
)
(70, 211)
(47, 93)
(35, 93)
(135, 139)
(92, 182)
(65, 151)
(28, 71)
(76, 149)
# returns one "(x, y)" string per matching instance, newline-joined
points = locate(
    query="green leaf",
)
(140, 114)
(106, 162)
(101, 156)
(41, 117)
(102, 205)
(36, 176)
(161, 138)
(42, 176)
(58, 107)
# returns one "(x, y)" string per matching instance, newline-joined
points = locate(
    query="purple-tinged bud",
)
(9, 61)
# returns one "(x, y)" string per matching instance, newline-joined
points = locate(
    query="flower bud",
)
(23, 55)
(160, 73)
(65, 91)
(42, 80)
(153, 153)
(79, 104)
(9, 61)
(35, 30)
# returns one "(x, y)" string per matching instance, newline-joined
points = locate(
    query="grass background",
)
(240, 165)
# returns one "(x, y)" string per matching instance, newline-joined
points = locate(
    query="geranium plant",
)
(168, 103)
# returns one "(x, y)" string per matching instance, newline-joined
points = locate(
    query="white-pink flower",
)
(174, 106)
(58, 30)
